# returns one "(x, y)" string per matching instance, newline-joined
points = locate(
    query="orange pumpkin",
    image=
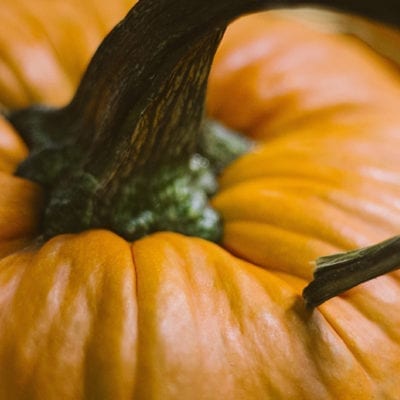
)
(168, 316)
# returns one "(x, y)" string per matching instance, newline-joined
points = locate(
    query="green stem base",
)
(163, 196)
(173, 197)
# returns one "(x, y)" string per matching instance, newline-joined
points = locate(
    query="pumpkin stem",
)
(123, 154)
(337, 273)
(130, 137)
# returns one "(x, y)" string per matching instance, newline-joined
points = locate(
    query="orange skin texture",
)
(172, 317)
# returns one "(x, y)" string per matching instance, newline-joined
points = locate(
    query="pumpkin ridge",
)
(361, 192)
(250, 273)
(91, 381)
(366, 215)
(358, 354)
(9, 59)
(94, 11)
(314, 118)
(7, 161)
(316, 247)
(337, 195)
(40, 26)
(289, 212)
(30, 80)
(307, 170)
(70, 327)
(304, 315)
(314, 150)
(325, 314)
(80, 10)
(20, 207)
(361, 293)
(11, 89)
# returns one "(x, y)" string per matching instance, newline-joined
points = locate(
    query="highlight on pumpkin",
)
(199, 203)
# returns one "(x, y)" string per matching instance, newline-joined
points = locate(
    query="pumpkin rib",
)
(351, 144)
(7, 164)
(355, 203)
(312, 344)
(92, 12)
(297, 186)
(290, 212)
(353, 58)
(255, 166)
(20, 207)
(12, 149)
(331, 318)
(266, 129)
(383, 296)
(358, 299)
(69, 299)
(17, 264)
(11, 89)
(66, 19)
(350, 349)
(10, 17)
(249, 241)
(45, 326)
(13, 274)
(317, 151)
(370, 212)
(275, 124)
(355, 130)
(39, 26)
(309, 343)
(40, 78)
(253, 282)
(342, 117)
(364, 203)
(34, 21)
(19, 80)
(369, 335)
(92, 377)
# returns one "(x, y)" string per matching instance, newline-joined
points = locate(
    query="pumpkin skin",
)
(172, 317)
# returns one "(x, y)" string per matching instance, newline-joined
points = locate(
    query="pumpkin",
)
(91, 315)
